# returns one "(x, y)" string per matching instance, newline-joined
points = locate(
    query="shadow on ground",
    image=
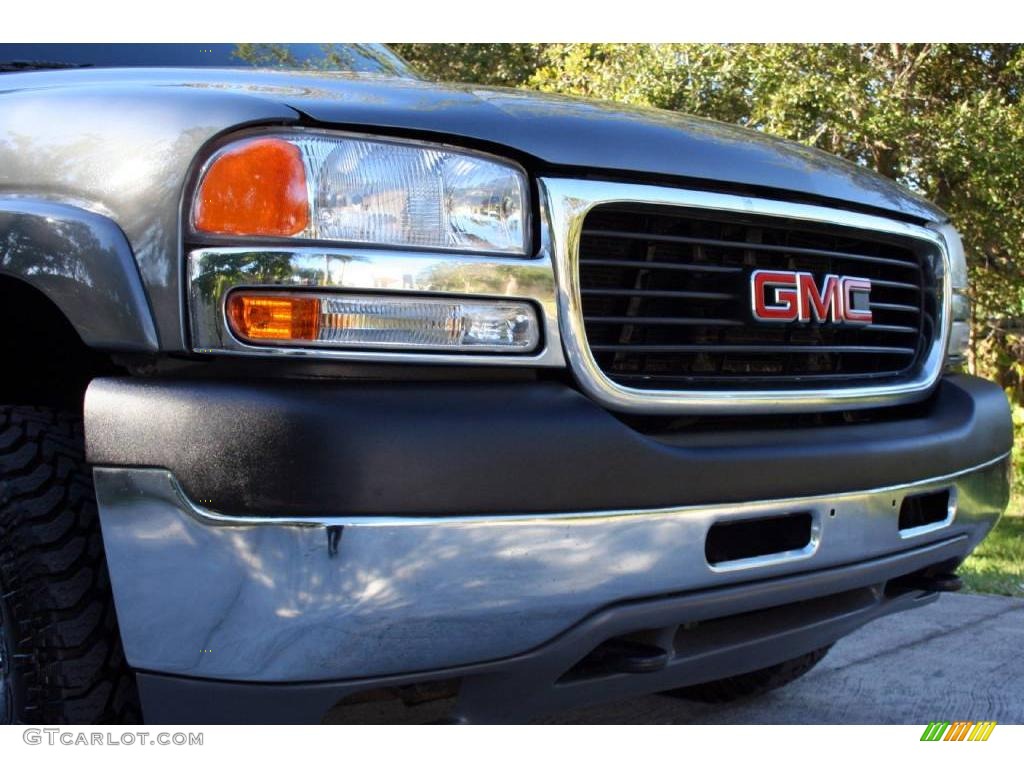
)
(960, 658)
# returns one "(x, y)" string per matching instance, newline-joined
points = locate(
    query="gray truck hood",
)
(559, 132)
(576, 133)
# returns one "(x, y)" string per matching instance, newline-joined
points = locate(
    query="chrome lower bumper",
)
(280, 600)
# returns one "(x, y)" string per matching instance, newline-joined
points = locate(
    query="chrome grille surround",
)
(568, 202)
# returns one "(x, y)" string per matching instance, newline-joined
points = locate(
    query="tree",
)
(944, 120)
(484, 63)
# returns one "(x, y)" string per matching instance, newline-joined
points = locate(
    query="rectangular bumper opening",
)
(922, 510)
(732, 541)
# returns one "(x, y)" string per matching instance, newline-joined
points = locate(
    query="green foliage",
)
(945, 120)
(485, 63)
(326, 57)
(997, 565)
(1018, 454)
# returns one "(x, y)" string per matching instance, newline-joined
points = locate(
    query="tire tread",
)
(69, 664)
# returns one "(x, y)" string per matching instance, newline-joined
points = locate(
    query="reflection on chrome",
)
(467, 589)
(213, 272)
(568, 202)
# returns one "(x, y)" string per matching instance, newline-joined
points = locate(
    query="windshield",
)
(345, 57)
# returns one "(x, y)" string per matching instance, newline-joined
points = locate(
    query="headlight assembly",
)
(363, 190)
(960, 330)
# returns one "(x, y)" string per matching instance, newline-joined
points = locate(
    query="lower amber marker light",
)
(383, 322)
(263, 317)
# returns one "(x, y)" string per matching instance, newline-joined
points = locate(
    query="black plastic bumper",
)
(308, 448)
(199, 482)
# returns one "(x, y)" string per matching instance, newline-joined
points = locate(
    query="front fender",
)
(83, 263)
(123, 149)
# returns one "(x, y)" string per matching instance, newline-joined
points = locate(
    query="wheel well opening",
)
(45, 360)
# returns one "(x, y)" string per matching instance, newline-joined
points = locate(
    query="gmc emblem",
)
(782, 297)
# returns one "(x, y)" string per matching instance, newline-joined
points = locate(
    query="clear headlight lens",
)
(362, 190)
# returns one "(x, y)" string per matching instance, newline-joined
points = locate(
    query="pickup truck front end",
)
(528, 403)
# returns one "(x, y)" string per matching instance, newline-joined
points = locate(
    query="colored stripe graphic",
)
(958, 730)
(982, 730)
(934, 730)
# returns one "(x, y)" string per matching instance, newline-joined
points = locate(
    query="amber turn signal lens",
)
(262, 317)
(255, 188)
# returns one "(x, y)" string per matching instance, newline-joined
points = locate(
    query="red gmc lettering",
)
(784, 297)
(852, 285)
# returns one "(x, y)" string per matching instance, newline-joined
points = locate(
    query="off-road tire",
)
(751, 683)
(63, 658)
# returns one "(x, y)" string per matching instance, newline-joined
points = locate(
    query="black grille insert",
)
(666, 301)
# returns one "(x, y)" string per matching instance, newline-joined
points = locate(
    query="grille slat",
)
(874, 327)
(709, 321)
(758, 349)
(895, 284)
(634, 378)
(748, 246)
(895, 307)
(661, 265)
(666, 300)
(657, 294)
